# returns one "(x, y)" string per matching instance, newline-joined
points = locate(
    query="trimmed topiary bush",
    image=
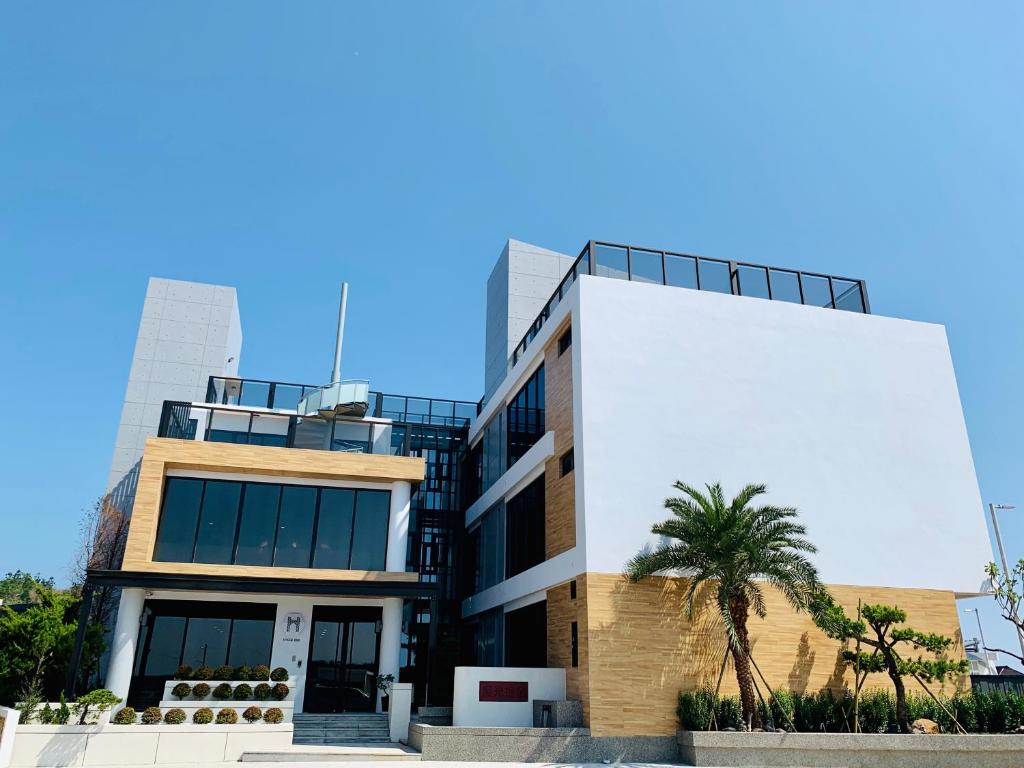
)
(200, 690)
(227, 717)
(222, 691)
(125, 716)
(261, 672)
(203, 673)
(224, 672)
(280, 691)
(181, 691)
(252, 714)
(184, 672)
(261, 692)
(279, 674)
(175, 716)
(202, 716)
(273, 716)
(243, 673)
(242, 692)
(151, 716)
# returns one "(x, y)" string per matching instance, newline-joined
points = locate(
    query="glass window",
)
(251, 641)
(753, 281)
(848, 296)
(286, 397)
(816, 291)
(206, 642)
(255, 394)
(610, 261)
(258, 524)
(680, 271)
(351, 437)
(441, 411)
(334, 528)
(568, 462)
(645, 266)
(393, 407)
(164, 652)
(216, 536)
(565, 341)
(228, 427)
(313, 434)
(714, 276)
(325, 642)
(524, 540)
(398, 440)
(370, 533)
(785, 285)
(525, 417)
(176, 538)
(269, 430)
(465, 411)
(295, 526)
(417, 410)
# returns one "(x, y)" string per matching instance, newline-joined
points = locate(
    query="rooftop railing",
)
(647, 265)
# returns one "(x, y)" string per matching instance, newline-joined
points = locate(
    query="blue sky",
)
(282, 147)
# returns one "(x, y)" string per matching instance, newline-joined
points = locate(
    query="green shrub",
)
(730, 713)
(273, 716)
(227, 716)
(877, 711)
(242, 692)
(252, 714)
(125, 716)
(184, 672)
(243, 673)
(99, 700)
(200, 690)
(261, 672)
(279, 674)
(280, 691)
(222, 691)
(261, 692)
(694, 709)
(181, 691)
(151, 716)
(203, 673)
(781, 705)
(63, 712)
(224, 672)
(175, 716)
(46, 714)
(202, 716)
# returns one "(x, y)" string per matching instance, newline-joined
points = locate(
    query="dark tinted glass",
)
(250, 642)
(206, 642)
(714, 276)
(524, 539)
(164, 645)
(369, 539)
(216, 537)
(178, 519)
(680, 271)
(295, 526)
(753, 281)
(848, 295)
(816, 291)
(334, 528)
(255, 393)
(398, 440)
(645, 266)
(258, 524)
(326, 637)
(313, 434)
(611, 262)
(785, 286)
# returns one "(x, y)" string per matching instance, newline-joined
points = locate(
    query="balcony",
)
(645, 265)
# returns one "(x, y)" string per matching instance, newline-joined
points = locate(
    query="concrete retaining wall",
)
(847, 750)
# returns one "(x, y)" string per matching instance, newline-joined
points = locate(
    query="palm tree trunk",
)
(741, 659)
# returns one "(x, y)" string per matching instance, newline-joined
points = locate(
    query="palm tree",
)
(736, 548)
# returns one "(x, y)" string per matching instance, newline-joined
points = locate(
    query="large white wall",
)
(854, 419)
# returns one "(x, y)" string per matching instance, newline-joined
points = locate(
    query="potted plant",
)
(384, 685)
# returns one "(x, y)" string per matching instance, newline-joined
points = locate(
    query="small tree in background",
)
(1008, 592)
(878, 630)
(21, 587)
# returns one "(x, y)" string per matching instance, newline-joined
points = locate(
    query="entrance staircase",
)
(348, 728)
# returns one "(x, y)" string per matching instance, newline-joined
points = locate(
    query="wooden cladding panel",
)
(559, 492)
(162, 454)
(562, 611)
(643, 652)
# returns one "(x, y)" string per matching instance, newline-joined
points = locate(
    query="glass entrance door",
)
(343, 656)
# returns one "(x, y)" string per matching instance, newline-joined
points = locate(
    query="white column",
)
(390, 639)
(398, 526)
(126, 635)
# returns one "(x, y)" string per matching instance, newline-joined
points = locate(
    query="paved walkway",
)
(375, 764)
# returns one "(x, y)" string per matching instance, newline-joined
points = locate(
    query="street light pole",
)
(1006, 570)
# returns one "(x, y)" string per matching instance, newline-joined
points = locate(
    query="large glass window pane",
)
(258, 524)
(216, 536)
(206, 642)
(295, 526)
(848, 295)
(178, 518)
(610, 261)
(228, 427)
(164, 653)
(714, 276)
(334, 528)
(269, 430)
(785, 286)
(351, 437)
(753, 281)
(251, 640)
(286, 397)
(398, 440)
(370, 534)
(816, 291)
(645, 266)
(313, 434)
(680, 271)
(524, 539)
(326, 636)
(255, 394)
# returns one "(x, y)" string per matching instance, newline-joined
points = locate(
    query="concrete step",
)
(366, 752)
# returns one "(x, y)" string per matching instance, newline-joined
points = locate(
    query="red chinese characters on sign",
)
(504, 690)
